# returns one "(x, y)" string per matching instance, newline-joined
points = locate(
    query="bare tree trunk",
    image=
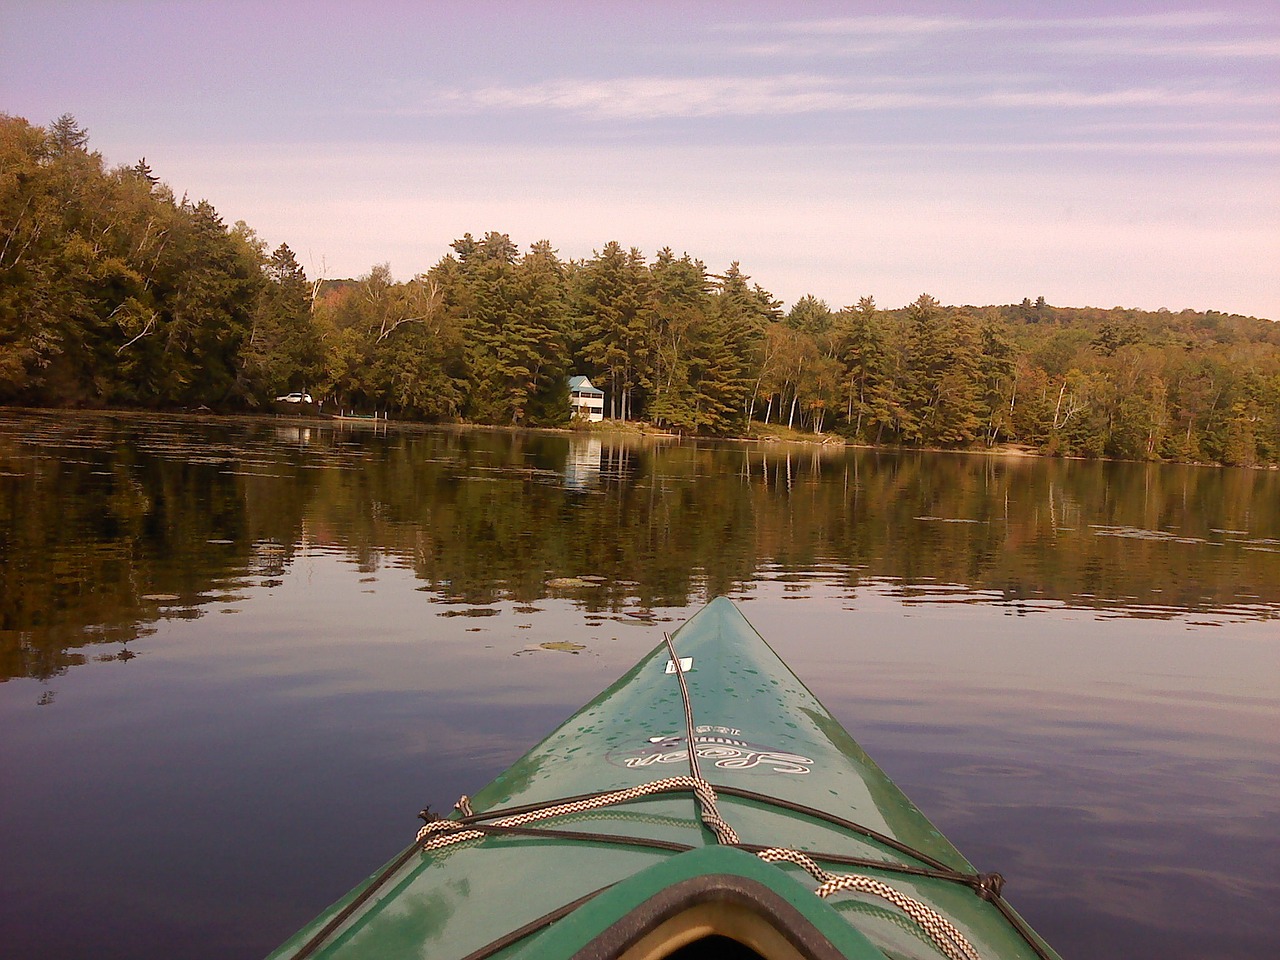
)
(316, 283)
(145, 330)
(13, 232)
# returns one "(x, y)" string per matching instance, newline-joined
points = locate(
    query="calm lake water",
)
(240, 655)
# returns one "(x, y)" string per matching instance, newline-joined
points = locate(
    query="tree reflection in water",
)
(112, 522)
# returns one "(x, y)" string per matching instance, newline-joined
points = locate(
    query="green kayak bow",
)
(776, 836)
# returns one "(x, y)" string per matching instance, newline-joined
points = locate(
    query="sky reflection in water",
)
(243, 657)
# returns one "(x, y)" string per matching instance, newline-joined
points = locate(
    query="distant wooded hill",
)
(114, 292)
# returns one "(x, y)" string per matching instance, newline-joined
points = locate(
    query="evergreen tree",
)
(861, 344)
(811, 316)
(942, 355)
(534, 346)
(66, 136)
(678, 310)
(997, 371)
(612, 324)
(284, 351)
(742, 313)
(143, 171)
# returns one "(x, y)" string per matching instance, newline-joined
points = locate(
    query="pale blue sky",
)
(1094, 153)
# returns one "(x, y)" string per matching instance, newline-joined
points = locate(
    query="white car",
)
(295, 398)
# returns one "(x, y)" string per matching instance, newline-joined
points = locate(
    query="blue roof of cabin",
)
(583, 385)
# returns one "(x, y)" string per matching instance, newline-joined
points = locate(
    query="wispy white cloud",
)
(649, 98)
(1128, 97)
(1206, 34)
(1112, 146)
(653, 98)
(863, 26)
(1249, 48)
(926, 25)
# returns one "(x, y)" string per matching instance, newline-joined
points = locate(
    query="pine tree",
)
(997, 371)
(810, 315)
(533, 342)
(67, 136)
(943, 378)
(613, 327)
(678, 310)
(284, 351)
(863, 352)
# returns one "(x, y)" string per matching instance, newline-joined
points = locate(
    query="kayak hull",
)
(785, 775)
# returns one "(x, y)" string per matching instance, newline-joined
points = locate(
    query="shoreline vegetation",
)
(611, 430)
(117, 294)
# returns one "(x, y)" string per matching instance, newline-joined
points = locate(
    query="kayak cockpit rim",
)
(706, 909)
(694, 905)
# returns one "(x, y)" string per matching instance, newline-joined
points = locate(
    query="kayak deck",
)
(785, 775)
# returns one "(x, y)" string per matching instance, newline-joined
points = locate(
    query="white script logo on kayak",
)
(721, 746)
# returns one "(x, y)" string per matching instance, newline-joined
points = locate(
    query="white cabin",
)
(586, 401)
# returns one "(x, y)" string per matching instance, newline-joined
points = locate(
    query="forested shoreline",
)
(115, 292)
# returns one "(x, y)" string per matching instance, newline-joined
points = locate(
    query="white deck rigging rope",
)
(438, 834)
(941, 931)
(443, 833)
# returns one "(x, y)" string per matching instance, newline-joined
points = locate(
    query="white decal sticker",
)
(723, 750)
